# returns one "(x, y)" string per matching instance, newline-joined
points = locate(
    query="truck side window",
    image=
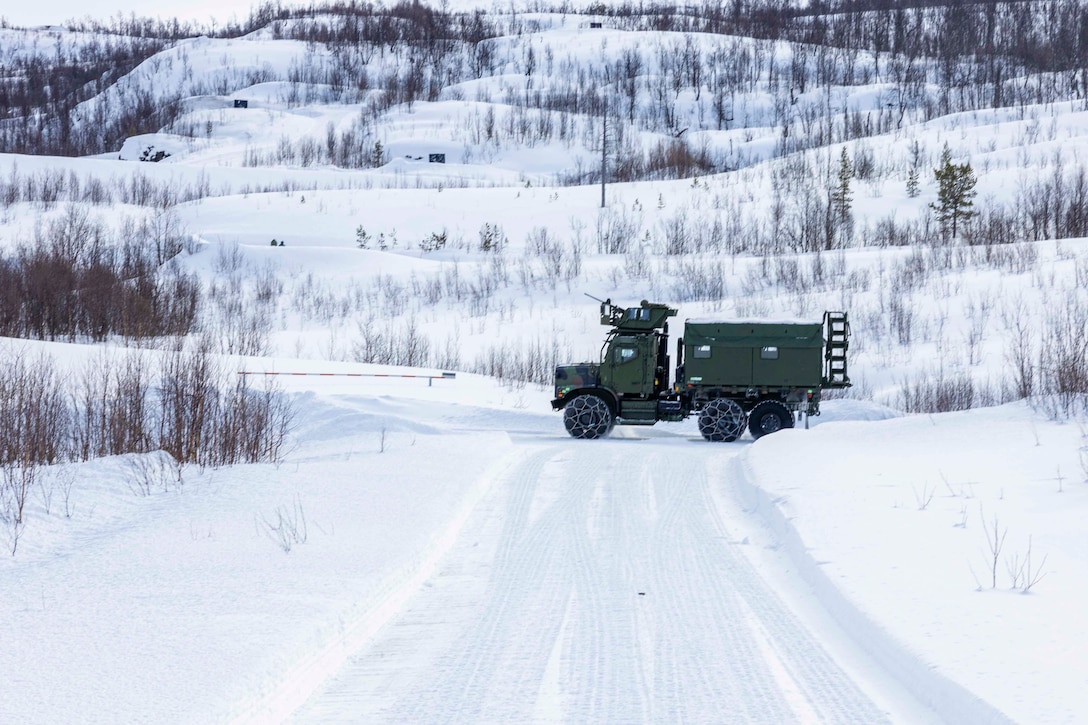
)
(625, 355)
(701, 351)
(769, 353)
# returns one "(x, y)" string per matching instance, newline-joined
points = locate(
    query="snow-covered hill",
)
(443, 552)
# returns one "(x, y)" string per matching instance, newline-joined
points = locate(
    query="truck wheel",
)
(588, 416)
(768, 417)
(721, 420)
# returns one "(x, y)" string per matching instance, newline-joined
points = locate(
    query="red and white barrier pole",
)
(430, 378)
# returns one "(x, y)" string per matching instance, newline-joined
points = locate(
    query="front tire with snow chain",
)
(588, 416)
(769, 416)
(721, 420)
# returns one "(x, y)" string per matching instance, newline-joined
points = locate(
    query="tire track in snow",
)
(300, 682)
(710, 664)
(536, 614)
(801, 669)
(604, 649)
(531, 582)
(478, 661)
(935, 697)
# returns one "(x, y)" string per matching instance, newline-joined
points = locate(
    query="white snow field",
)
(466, 561)
(440, 551)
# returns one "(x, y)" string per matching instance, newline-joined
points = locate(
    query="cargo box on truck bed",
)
(753, 354)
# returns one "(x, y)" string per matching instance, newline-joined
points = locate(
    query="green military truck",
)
(762, 375)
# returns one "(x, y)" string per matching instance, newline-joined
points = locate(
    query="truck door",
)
(630, 366)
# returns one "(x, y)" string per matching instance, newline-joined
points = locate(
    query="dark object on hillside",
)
(436, 158)
(153, 155)
(241, 104)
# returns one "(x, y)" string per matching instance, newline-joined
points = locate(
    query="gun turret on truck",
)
(733, 374)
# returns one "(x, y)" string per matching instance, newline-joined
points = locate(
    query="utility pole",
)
(604, 148)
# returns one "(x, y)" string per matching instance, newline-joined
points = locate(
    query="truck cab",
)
(633, 370)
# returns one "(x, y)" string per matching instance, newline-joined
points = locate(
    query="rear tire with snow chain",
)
(770, 416)
(588, 416)
(721, 420)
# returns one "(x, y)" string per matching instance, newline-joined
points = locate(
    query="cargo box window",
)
(625, 355)
(702, 351)
(769, 353)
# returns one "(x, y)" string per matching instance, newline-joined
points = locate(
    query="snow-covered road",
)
(597, 581)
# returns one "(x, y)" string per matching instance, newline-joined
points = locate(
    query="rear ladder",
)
(837, 334)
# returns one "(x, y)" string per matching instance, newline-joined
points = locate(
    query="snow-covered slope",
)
(443, 552)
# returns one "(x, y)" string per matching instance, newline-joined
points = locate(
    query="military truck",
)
(761, 375)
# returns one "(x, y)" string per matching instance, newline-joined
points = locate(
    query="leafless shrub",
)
(10, 519)
(809, 224)
(924, 496)
(1023, 573)
(672, 159)
(699, 280)
(228, 259)
(901, 319)
(449, 357)
(242, 326)
(890, 233)
(539, 242)
(615, 231)
(636, 262)
(936, 392)
(1063, 358)
(861, 389)
(188, 401)
(152, 472)
(204, 420)
(162, 234)
(911, 272)
(995, 542)
(190, 413)
(17, 480)
(391, 344)
(33, 410)
(1019, 349)
(677, 235)
(112, 408)
(253, 425)
(1032, 574)
(549, 261)
(977, 312)
(286, 527)
(65, 479)
(267, 286)
(519, 362)
(994, 227)
(46, 489)
(72, 283)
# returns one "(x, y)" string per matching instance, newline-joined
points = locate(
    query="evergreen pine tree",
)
(362, 238)
(912, 183)
(841, 196)
(955, 193)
